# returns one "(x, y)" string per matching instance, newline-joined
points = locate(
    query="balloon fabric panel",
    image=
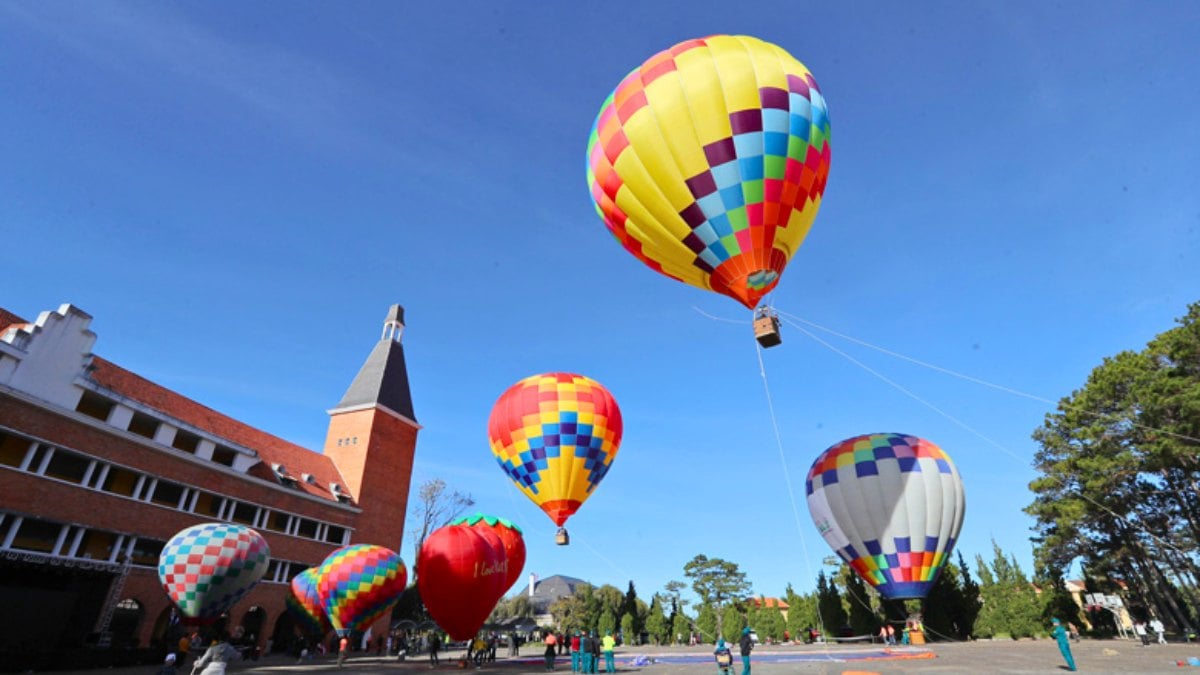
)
(891, 506)
(555, 436)
(510, 535)
(207, 568)
(358, 584)
(708, 163)
(305, 603)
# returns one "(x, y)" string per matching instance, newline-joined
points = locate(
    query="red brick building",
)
(99, 467)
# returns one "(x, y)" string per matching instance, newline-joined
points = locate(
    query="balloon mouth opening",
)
(747, 277)
(560, 509)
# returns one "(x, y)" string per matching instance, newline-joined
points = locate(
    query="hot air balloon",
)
(206, 568)
(461, 576)
(511, 536)
(358, 584)
(891, 506)
(555, 436)
(709, 161)
(305, 603)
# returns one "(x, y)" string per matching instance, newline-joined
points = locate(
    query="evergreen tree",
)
(706, 623)
(628, 636)
(681, 627)
(732, 622)
(608, 623)
(802, 614)
(768, 623)
(862, 617)
(1119, 469)
(943, 605)
(656, 623)
(971, 601)
(829, 605)
(717, 582)
(629, 602)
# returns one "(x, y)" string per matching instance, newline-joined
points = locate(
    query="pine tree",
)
(829, 604)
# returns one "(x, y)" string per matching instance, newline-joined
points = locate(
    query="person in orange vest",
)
(551, 646)
(343, 650)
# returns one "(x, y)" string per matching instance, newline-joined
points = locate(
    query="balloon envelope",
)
(206, 568)
(891, 506)
(461, 576)
(305, 603)
(555, 435)
(709, 161)
(358, 584)
(510, 535)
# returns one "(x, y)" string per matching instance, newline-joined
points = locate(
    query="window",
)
(146, 551)
(37, 535)
(208, 504)
(279, 521)
(6, 522)
(67, 466)
(12, 449)
(96, 545)
(295, 569)
(143, 425)
(120, 481)
(308, 528)
(244, 513)
(39, 455)
(335, 534)
(94, 405)
(224, 455)
(185, 441)
(167, 494)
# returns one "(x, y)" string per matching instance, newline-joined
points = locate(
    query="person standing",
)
(1139, 629)
(575, 656)
(746, 644)
(595, 652)
(585, 653)
(343, 651)
(1064, 642)
(435, 645)
(551, 647)
(606, 646)
(1159, 630)
(216, 658)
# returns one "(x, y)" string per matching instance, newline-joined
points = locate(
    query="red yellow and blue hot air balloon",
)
(709, 161)
(555, 435)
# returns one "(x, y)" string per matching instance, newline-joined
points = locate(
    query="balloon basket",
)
(561, 537)
(766, 328)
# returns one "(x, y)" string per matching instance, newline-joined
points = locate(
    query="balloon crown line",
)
(490, 520)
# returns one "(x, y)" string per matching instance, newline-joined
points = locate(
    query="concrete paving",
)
(1024, 656)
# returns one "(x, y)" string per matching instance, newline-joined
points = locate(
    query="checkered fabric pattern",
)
(709, 162)
(305, 604)
(555, 436)
(891, 506)
(206, 568)
(358, 584)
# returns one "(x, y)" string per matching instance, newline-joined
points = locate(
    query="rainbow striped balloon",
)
(359, 584)
(305, 603)
(709, 161)
(890, 505)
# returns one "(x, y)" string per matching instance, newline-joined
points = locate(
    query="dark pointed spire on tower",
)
(383, 379)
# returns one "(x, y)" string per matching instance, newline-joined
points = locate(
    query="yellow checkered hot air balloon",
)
(709, 161)
(555, 436)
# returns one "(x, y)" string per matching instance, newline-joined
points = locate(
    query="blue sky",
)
(237, 195)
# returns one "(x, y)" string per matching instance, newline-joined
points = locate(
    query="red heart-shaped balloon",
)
(461, 574)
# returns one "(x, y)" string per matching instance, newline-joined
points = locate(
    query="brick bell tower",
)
(372, 439)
